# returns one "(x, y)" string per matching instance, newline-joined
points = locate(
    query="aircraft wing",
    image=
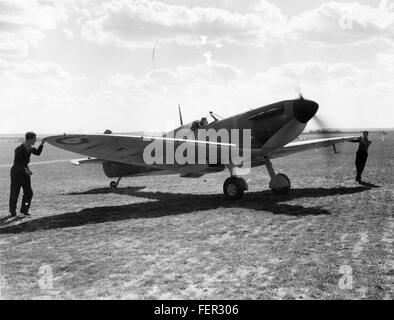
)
(126, 149)
(303, 145)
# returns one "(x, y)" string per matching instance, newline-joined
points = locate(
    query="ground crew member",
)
(362, 154)
(20, 174)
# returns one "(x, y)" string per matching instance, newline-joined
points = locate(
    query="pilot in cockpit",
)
(199, 124)
(203, 122)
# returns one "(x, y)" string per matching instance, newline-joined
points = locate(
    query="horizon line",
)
(139, 131)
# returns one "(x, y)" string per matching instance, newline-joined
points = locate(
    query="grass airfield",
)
(165, 237)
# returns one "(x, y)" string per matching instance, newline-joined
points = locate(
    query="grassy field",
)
(171, 238)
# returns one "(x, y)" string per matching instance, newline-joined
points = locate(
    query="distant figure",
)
(20, 174)
(362, 154)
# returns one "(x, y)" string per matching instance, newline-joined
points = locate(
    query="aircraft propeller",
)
(322, 126)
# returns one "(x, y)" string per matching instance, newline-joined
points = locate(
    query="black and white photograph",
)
(196, 150)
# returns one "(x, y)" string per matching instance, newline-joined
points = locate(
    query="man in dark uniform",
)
(20, 174)
(362, 154)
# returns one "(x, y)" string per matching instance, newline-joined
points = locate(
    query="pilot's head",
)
(204, 121)
(365, 134)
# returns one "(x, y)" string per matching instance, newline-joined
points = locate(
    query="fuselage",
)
(271, 127)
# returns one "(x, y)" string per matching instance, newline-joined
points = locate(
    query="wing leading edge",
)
(299, 146)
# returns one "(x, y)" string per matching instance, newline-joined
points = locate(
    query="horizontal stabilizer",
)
(77, 162)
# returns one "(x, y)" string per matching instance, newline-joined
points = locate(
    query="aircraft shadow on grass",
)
(167, 204)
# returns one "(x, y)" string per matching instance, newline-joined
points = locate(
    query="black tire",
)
(113, 185)
(244, 183)
(233, 188)
(285, 190)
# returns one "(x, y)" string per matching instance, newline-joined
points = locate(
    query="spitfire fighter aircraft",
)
(272, 131)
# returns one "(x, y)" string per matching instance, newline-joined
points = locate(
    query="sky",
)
(88, 65)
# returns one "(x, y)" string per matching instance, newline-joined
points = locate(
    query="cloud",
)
(32, 85)
(315, 71)
(233, 42)
(16, 44)
(138, 23)
(209, 73)
(68, 33)
(227, 90)
(203, 40)
(208, 56)
(23, 23)
(161, 89)
(22, 14)
(341, 23)
(31, 71)
(195, 87)
(216, 79)
(386, 60)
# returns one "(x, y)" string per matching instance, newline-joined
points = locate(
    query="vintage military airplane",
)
(273, 128)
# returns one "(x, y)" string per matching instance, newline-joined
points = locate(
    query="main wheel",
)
(243, 183)
(280, 184)
(234, 188)
(113, 185)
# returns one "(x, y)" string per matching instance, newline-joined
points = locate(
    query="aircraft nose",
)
(304, 110)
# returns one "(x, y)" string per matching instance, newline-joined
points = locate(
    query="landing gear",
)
(234, 188)
(114, 184)
(279, 183)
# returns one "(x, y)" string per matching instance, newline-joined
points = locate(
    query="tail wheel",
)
(113, 185)
(234, 188)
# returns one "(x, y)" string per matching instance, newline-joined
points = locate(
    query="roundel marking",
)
(72, 140)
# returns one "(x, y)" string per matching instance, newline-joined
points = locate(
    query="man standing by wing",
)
(362, 154)
(20, 174)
